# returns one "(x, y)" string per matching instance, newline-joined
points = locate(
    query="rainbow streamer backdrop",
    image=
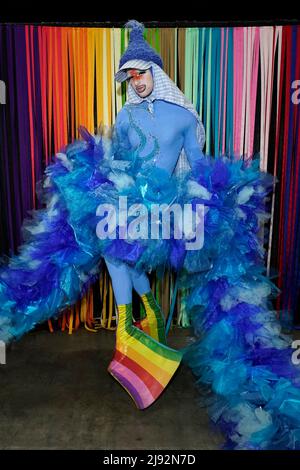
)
(240, 79)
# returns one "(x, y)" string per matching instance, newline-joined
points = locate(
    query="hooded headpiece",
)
(141, 56)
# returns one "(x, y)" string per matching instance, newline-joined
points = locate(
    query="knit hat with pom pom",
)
(138, 53)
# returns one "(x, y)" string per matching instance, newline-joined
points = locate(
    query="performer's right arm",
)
(121, 142)
(121, 127)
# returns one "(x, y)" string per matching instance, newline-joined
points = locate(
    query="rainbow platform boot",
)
(141, 364)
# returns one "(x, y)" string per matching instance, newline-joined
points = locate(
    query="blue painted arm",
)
(121, 126)
(192, 146)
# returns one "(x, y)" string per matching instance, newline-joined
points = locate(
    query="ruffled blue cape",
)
(238, 350)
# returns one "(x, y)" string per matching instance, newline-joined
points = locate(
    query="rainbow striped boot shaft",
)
(142, 365)
(154, 323)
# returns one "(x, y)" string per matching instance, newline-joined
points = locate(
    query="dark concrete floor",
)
(57, 394)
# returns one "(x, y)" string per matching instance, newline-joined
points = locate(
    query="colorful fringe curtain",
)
(241, 81)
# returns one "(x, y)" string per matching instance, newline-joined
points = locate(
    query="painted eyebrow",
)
(140, 73)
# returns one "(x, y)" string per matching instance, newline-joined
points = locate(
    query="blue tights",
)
(124, 278)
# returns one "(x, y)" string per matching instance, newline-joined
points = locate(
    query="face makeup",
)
(141, 81)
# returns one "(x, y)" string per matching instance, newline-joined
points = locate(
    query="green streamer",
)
(216, 38)
(188, 65)
(123, 84)
(229, 91)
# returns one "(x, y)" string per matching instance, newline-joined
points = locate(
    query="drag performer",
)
(155, 157)
(170, 124)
